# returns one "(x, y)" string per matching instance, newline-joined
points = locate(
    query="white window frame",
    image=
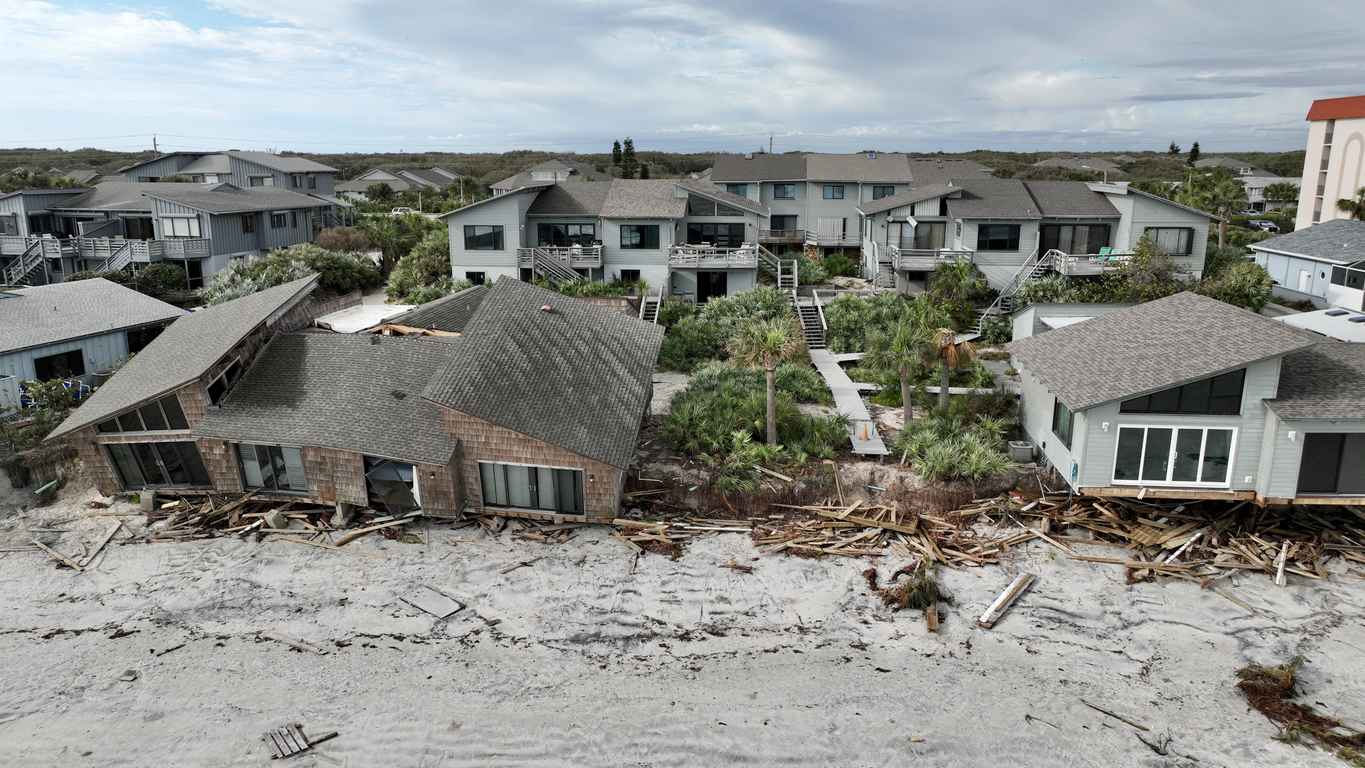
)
(264, 181)
(1170, 460)
(171, 226)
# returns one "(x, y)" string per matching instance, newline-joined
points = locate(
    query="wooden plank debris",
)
(299, 644)
(59, 557)
(1016, 588)
(290, 740)
(1121, 718)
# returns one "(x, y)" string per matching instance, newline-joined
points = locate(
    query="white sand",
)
(572, 661)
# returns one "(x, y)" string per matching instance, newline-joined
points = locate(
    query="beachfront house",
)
(1188, 397)
(1323, 264)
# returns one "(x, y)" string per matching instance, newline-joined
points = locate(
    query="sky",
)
(675, 75)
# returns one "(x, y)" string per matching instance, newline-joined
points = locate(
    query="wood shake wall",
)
(335, 476)
(483, 441)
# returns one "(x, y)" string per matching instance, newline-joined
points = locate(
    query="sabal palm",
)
(1355, 207)
(1226, 195)
(950, 355)
(1281, 192)
(767, 344)
(957, 281)
(902, 352)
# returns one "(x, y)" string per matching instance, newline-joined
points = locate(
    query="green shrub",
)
(1242, 283)
(947, 446)
(840, 265)
(674, 309)
(997, 329)
(341, 273)
(424, 274)
(810, 272)
(112, 275)
(346, 240)
(850, 319)
(698, 335)
(163, 278)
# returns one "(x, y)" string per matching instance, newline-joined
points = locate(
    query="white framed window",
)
(296, 180)
(262, 181)
(180, 226)
(1174, 455)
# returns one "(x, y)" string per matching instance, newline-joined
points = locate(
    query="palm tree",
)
(1356, 207)
(1282, 192)
(901, 352)
(767, 343)
(957, 282)
(1225, 195)
(950, 354)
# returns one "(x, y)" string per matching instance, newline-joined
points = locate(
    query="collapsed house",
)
(533, 410)
(1188, 397)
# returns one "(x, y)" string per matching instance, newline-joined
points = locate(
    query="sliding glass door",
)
(544, 489)
(144, 465)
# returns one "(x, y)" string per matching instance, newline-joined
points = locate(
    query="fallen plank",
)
(638, 549)
(777, 475)
(302, 646)
(57, 555)
(522, 564)
(1139, 726)
(329, 546)
(866, 522)
(1006, 599)
(353, 535)
(85, 561)
(624, 523)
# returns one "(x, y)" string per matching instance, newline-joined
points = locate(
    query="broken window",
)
(271, 466)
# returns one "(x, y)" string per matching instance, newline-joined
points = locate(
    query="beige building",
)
(1334, 168)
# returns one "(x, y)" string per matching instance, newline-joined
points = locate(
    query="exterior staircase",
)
(812, 322)
(1033, 268)
(542, 264)
(118, 260)
(649, 306)
(886, 276)
(782, 269)
(21, 270)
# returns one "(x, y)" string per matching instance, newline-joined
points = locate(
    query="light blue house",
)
(1323, 263)
(1188, 397)
(73, 331)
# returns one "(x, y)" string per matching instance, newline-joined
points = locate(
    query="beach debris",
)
(1121, 718)
(1016, 588)
(55, 555)
(522, 564)
(433, 602)
(1269, 690)
(332, 547)
(85, 561)
(289, 740)
(736, 567)
(302, 646)
(128, 676)
(777, 475)
(353, 535)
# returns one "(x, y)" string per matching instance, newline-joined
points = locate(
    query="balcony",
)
(783, 236)
(101, 248)
(571, 256)
(833, 239)
(1083, 265)
(711, 257)
(925, 259)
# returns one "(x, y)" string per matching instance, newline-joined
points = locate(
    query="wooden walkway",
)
(862, 431)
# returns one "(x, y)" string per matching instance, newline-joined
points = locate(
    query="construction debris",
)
(1269, 690)
(289, 740)
(433, 602)
(1016, 588)
(302, 646)
(1120, 718)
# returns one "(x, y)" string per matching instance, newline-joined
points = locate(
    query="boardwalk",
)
(850, 403)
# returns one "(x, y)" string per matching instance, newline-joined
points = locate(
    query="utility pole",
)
(770, 143)
(154, 149)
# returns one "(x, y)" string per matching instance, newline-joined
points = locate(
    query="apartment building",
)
(1334, 167)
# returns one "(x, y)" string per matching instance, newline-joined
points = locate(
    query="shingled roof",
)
(184, 351)
(760, 166)
(1338, 240)
(993, 199)
(1070, 198)
(1152, 346)
(925, 192)
(47, 314)
(450, 313)
(1326, 382)
(350, 392)
(571, 198)
(577, 376)
(870, 167)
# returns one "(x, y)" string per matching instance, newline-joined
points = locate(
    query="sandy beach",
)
(573, 660)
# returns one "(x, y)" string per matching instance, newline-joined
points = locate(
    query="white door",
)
(1303, 281)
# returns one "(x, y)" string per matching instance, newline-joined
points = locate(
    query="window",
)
(784, 191)
(180, 226)
(738, 189)
(62, 365)
(262, 181)
(1074, 238)
(248, 223)
(1061, 422)
(273, 467)
(220, 386)
(296, 180)
(524, 487)
(719, 235)
(141, 465)
(1175, 241)
(566, 234)
(294, 219)
(477, 278)
(834, 192)
(878, 192)
(930, 235)
(997, 237)
(163, 414)
(640, 237)
(1349, 277)
(55, 265)
(279, 220)
(630, 275)
(1332, 463)
(482, 237)
(312, 182)
(1173, 456)
(542, 176)
(1220, 395)
(139, 338)
(783, 223)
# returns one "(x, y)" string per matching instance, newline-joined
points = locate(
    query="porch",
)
(925, 259)
(712, 257)
(782, 236)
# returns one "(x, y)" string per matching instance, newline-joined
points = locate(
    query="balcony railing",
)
(706, 256)
(572, 256)
(924, 259)
(781, 235)
(1083, 265)
(101, 248)
(833, 239)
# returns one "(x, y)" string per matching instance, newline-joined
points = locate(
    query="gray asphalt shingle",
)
(1326, 382)
(47, 314)
(1152, 346)
(993, 199)
(907, 197)
(1340, 240)
(578, 376)
(758, 167)
(880, 167)
(1070, 198)
(450, 313)
(643, 199)
(220, 200)
(935, 170)
(340, 391)
(571, 198)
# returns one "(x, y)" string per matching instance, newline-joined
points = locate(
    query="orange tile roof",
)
(1337, 109)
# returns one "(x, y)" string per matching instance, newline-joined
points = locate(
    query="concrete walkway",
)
(862, 431)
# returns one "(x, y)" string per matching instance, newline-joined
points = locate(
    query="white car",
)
(401, 211)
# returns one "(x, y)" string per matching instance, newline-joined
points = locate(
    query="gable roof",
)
(1070, 198)
(231, 200)
(1128, 189)
(113, 196)
(47, 314)
(1077, 163)
(531, 188)
(914, 195)
(573, 166)
(1151, 347)
(937, 170)
(715, 193)
(760, 166)
(858, 167)
(578, 377)
(341, 391)
(993, 199)
(448, 313)
(431, 177)
(643, 199)
(572, 198)
(1342, 108)
(360, 185)
(285, 164)
(1337, 240)
(1230, 162)
(1326, 382)
(185, 351)
(213, 163)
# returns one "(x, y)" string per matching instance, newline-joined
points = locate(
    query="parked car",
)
(1249, 212)
(401, 211)
(1263, 225)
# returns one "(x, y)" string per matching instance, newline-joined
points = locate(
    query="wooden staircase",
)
(21, 270)
(782, 269)
(812, 323)
(1033, 268)
(649, 306)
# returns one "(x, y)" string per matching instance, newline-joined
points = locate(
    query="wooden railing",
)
(1086, 265)
(781, 235)
(925, 259)
(844, 239)
(103, 247)
(703, 256)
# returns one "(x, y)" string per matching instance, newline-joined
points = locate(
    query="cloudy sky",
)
(680, 75)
